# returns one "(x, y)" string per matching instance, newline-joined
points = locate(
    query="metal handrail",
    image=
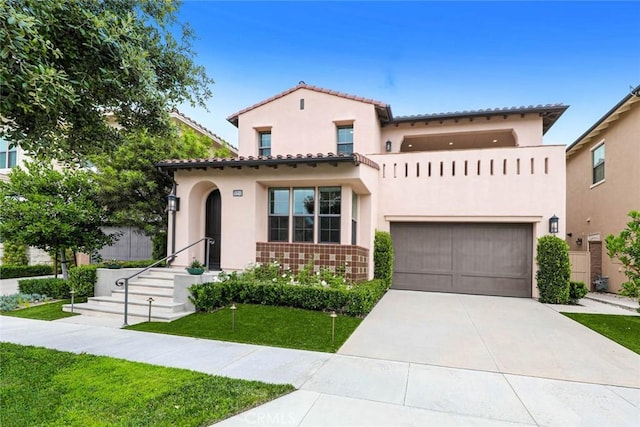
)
(125, 280)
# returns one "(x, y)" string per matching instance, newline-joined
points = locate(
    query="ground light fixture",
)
(233, 309)
(553, 225)
(333, 326)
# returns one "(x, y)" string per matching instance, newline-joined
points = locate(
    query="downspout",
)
(173, 226)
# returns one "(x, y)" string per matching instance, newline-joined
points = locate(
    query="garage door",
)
(485, 259)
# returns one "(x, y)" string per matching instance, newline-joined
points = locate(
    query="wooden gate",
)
(580, 267)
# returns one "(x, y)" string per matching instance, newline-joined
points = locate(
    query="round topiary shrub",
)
(554, 270)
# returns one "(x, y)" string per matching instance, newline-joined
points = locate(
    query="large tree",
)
(132, 189)
(64, 64)
(52, 210)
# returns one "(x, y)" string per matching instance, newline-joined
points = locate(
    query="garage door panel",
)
(416, 281)
(500, 286)
(492, 259)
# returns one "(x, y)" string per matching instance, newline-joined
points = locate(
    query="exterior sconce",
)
(579, 241)
(173, 203)
(387, 146)
(553, 225)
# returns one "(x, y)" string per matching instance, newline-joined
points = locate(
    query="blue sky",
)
(421, 57)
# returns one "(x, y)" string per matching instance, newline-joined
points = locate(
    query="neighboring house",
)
(603, 184)
(131, 245)
(465, 195)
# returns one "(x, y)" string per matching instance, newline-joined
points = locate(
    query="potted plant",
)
(112, 264)
(196, 267)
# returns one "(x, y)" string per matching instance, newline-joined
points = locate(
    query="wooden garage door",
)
(485, 259)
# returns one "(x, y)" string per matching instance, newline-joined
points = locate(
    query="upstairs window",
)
(264, 143)
(8, 157)
(598, 163)
(345, 139)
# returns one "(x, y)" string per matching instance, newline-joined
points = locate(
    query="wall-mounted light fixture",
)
(579, 241)
(173, 203)
(569, 235)
(553, 225)
(387, 146)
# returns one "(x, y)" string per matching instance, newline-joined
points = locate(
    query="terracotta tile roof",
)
(257, 161)
(549, 112)
(379, 104)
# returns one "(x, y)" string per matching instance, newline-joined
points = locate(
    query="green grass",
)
(46, 311)
(625, 330)
(48, 387)
(264, 325)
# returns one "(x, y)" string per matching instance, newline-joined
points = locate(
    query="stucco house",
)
(465, 195)
(603, 184)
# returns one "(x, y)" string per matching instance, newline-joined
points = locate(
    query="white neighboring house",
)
(131, 246)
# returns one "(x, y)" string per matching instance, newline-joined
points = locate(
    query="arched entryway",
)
(214, 227)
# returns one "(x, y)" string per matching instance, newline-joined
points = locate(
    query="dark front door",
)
(214, 228)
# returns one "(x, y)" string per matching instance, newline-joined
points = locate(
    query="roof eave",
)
(577, 143)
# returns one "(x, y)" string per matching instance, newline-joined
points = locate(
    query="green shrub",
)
(14, 253)
(554, 270)
(625, 247)
(630, 289)
(159, 245)
(383, 257)
(14, 271)
(82, 279)
(51, 287)
(577, 290)
(354, 300)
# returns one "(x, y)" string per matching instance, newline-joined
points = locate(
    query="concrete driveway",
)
(495, 334)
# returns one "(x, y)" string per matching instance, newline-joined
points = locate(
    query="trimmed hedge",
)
(554, 270)
(15, 271)
(132, 264)
(51, 287)
(356, 300)
(83, 279)
(383, 257)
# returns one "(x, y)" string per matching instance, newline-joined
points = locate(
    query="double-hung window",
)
(303, 214)
(264, 143)
(597, 156)
(329, 214)
(278, 214)
(8, 157)
(345, 139)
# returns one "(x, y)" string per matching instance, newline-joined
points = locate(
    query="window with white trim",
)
(278, 214)
(8, 156)
(597, 163)
(345, 139)
(264, 143)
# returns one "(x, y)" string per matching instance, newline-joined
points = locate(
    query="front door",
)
(214, 228)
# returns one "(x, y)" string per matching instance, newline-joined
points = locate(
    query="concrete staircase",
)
(157, 283)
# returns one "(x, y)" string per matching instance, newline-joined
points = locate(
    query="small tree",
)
(52, 210)
(626, 248)
(383, 257)
(554, 270)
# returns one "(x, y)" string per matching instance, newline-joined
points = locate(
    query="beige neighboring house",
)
(603, 184)
(131, 246)
(465, 194)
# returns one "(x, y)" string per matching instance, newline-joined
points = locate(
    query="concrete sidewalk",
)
(341, 390)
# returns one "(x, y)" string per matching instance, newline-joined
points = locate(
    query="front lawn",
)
(264, 325)
(46, 311)
(625, 330)
(48, 387)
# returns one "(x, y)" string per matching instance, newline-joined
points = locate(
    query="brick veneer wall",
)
(296, 255)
